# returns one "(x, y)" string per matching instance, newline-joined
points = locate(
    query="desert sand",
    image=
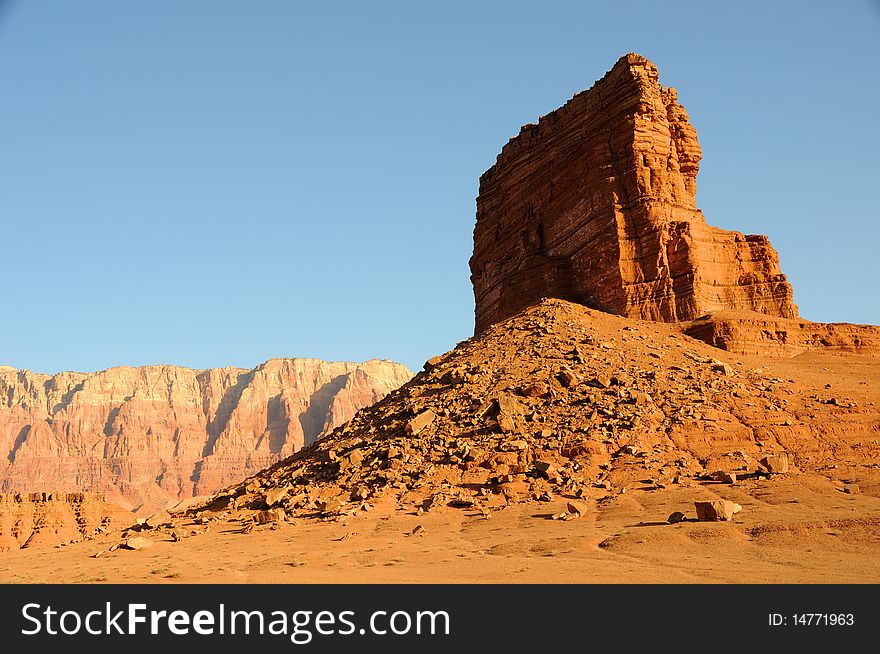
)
(798, 530)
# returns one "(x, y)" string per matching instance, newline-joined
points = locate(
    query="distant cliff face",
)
(149, 435)
(596, 204)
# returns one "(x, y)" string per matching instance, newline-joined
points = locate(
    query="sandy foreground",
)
(800, 529)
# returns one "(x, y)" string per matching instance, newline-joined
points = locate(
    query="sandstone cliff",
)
(153, 434)
(596, 204)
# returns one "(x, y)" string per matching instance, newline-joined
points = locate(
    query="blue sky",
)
(216, 183)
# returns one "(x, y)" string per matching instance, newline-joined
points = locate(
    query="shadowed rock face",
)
(596, 204)
(158, 433)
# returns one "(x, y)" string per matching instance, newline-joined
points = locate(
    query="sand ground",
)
(797, 529)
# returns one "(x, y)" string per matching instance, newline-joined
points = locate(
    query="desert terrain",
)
(819, 522)
(641, 402)
(802, 529)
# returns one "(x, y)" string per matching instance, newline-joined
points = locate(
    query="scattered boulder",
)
(852, 489)
(563, 515)
(514, 490)
(455, 377)
(360, 493)
(546, 468)
(513, 446)
(675, 517)
(776, 464)
(331, 507)
(601, 381)
(271, 515)
(351, 459)
(506, 423)
(536, 389)
(716, 510)
(138, 543)
(421, 421)
(642, 399)
(723, 476)
(509, 405)
(275, 495)
(433, 362)
(576, 508)
(158, 519)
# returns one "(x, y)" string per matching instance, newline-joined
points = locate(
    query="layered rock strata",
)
(46, 519)
(763, 335)
(596, 204)
(154, 434)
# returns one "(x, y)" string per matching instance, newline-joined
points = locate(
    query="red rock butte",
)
(596, 204)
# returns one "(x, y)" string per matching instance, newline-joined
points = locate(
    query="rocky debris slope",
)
(158, 433)
(596, 204)
(47, 519)
(562, 401)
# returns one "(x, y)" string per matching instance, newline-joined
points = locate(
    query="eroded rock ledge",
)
(47, 519)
